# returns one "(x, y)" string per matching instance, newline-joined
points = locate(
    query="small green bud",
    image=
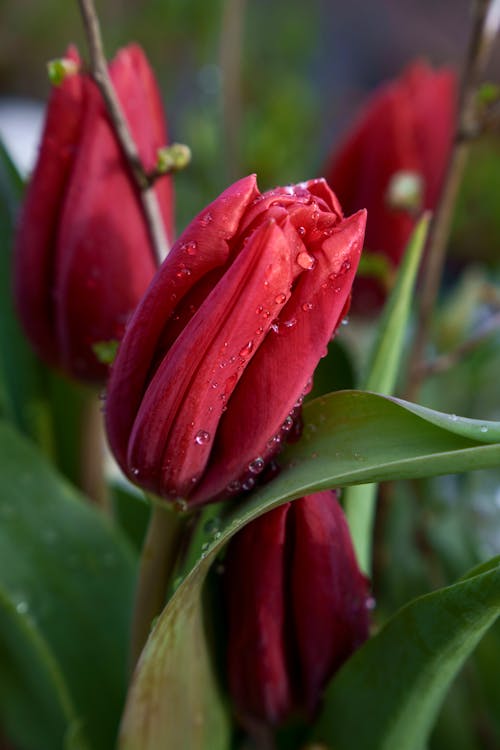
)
(405, 191)
(488, 93)
(105, 351)
(60, 69)
(173, 158)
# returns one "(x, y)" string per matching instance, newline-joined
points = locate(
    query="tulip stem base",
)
(159, 554)
(92, 453)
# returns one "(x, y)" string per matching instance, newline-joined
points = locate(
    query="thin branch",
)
(100, 74)
(480, 46)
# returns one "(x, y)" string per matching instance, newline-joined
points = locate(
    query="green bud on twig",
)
(60, 69)
(173, 158)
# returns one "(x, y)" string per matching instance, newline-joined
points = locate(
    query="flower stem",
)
(100, 74)
(158, 557)
(230, 53)
(92, 451)
(480, 47)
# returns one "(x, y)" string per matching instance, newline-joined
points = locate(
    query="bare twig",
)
(480, 46)
(100, 74)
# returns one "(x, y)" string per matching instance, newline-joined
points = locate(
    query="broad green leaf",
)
(66, 586)
(349, 437)
(33, 692)
(381, 375)
(396, 682)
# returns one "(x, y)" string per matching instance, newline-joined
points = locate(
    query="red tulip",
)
(83, 255)
(221, 349)
(297, 608)
(406, 127)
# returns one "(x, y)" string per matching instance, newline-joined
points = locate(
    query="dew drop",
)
(233, 486)
(202, 437)
(248, 484)
(306, 261)
(256, 466)
(212, 525)
(190, 247)
(135, 472)
(453, 417)
(483, 428)
(344, 322)
(259, 309)
(206, 219)
(259, 331)
(183, 273)
(307, 306)
(287, 424)
(245, 351)
(280, 298)
(301, 231)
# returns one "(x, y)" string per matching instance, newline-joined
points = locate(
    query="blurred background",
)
(269, 86)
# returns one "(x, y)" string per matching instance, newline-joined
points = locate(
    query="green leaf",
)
(349, 437)
(66, 586)
(388, 694)
(381, 376)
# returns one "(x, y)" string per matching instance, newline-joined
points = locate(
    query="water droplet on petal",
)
(202, 437)
(190, 247)
(183, 272)
(287, 424)
(245, 351)
(306, 261)
(234, 486)
(248, 484)
(206, 219)
(301, 231)
(280, 298)
(256, 466)
(307, 306)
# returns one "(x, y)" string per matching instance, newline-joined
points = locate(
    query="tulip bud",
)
(208, 379)
(298, 606)
(407, 128)
(83, 255)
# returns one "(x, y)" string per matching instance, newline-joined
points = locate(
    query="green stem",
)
(92, 452)
(159, 554)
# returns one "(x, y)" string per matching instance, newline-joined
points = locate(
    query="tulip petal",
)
(35, 241)
(279, 371)
(208, 234)
(258, 672)
(178, 416)
(103, 237)
(329, 594)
